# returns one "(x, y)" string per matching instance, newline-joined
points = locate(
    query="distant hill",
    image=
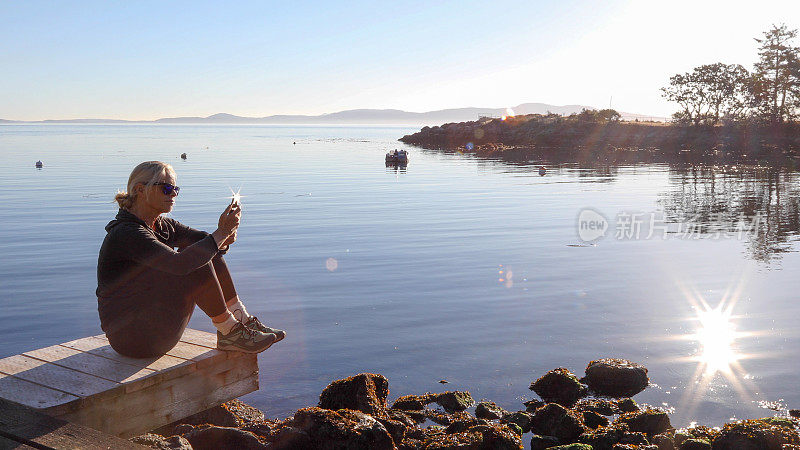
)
(361, 116)
(383, 116)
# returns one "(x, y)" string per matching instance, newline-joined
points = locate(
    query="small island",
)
(726, 113)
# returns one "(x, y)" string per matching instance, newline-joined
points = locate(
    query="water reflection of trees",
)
(760, 205)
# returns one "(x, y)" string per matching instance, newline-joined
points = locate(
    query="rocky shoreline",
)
(555, 133)
(593, 412)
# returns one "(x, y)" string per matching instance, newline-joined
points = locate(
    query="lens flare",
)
(236, 197)
(331, 264)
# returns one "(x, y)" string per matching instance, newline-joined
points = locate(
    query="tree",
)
(724, 88)
(684, 91)
(593, 115)
(709, 93)
(776, 85)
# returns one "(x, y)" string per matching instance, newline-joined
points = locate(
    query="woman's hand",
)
(230, 218)
(228, 224)
(231, 239)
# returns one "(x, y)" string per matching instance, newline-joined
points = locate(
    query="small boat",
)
(39, 164)
(397, 156)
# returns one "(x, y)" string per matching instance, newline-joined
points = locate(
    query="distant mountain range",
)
(359, 116)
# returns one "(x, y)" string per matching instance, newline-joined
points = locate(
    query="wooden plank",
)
(197, 384)
(92, 364)
(6, 444)
(40, 430)
(198, 337)
(61, 378)
(240, 380)
(167, 366)
(135, 426)
(31, 394)
(152, 407)
(203, 356)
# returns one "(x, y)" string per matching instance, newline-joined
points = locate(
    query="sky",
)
(145, 60)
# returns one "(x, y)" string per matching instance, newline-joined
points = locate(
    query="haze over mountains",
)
(358, 116)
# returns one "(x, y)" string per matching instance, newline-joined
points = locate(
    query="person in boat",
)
(147, 290)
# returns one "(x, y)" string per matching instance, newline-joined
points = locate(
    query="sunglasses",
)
(168, 188)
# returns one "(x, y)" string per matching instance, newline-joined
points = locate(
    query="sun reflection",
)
(716, 336)
(718, 354)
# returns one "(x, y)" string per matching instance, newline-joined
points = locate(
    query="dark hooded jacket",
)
(139, 271)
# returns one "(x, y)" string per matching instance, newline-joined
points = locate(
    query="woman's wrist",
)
(219, 238)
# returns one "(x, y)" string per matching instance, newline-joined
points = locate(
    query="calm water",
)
(454, 268)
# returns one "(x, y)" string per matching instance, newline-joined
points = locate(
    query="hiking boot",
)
(255, 324)
(243, 339)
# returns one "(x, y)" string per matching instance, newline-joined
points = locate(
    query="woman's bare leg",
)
(206, 291)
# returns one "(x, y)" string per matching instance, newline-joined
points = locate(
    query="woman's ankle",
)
(236, 307)
(224, 322)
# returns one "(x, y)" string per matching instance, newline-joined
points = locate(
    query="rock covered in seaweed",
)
(344, 428)
(490, 436)
(560, 386)
(213, 437)
(596, 405)
(695, 444)
(650, 421)
(553, 419)
(539, 442)
(161, 442)
(454, 401)
(290, 438)
(489, 410)
(533, 405)
(604, 438)
(365, 392)
(627, 405)
(520, 418)
(593, 420)
(755, 434)
(233, 413)
(616, 377)
(412, 402)
(451, 401)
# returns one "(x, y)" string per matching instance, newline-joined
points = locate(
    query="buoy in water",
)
(183, 155)
(39, 164)
(542, 171)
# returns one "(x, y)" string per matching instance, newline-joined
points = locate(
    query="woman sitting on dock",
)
(146, 290)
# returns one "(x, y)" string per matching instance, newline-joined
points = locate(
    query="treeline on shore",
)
(724, 109)
(591, 131)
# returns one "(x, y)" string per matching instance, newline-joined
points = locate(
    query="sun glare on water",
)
(718, 354)
(716, 336)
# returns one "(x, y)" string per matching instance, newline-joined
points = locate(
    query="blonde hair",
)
(148, 173)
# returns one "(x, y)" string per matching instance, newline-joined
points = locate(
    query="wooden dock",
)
(87, 383)
(24, 428)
